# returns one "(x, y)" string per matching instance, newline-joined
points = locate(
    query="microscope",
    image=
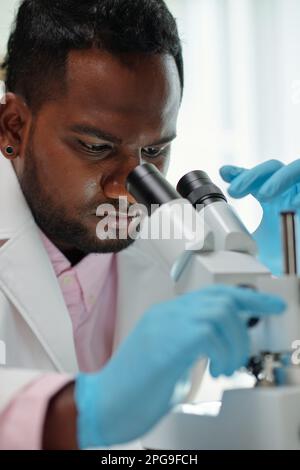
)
(200, 240)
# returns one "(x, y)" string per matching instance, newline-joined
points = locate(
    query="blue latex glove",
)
(277, 187)
(136, 387)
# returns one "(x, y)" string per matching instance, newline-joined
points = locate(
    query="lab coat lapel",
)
(27, 276)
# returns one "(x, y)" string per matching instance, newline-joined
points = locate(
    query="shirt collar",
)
(91, 272)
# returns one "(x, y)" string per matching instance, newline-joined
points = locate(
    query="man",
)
(94, 89)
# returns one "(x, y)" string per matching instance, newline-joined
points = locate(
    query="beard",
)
(54, 221)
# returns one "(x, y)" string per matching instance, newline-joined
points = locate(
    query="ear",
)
(15, 123)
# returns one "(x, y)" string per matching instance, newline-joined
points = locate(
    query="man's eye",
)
(152, 152)
(95, 148)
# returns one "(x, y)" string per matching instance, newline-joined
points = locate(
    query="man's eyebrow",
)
(95, 132)
(103, 135)
(165, 140)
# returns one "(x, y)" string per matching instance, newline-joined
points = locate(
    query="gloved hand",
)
(277, 187)
(136, 387)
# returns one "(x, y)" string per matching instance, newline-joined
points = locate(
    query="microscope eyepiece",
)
(148, 186)
(198, 188)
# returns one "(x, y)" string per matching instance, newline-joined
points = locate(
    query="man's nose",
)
(114, 185)
(114, 189)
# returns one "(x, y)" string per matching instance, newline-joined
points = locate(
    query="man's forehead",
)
(149, 83)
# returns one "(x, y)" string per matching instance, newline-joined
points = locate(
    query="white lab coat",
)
(34, 322)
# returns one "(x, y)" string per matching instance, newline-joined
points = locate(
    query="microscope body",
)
(211, 246)
(264, 417)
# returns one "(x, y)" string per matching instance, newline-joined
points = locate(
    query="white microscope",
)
(208, 244)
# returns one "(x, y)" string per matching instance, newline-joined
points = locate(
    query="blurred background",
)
(242, 95)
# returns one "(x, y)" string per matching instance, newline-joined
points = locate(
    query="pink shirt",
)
(89, 291)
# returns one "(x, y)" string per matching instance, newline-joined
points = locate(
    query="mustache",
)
(112, 202)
